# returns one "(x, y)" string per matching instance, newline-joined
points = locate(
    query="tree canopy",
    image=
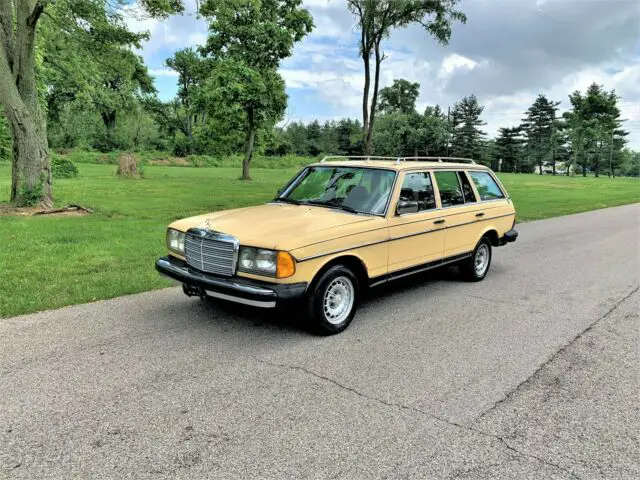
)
(247, 41)
(400, 97)
(376, 20)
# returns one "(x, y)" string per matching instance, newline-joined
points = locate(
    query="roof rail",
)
(357, 157)
(436, 159)
(398, 159)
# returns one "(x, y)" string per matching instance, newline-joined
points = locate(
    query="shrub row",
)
(198, 161)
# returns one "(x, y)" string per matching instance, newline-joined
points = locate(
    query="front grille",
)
(211, 253)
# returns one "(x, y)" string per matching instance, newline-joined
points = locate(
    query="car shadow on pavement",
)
(292, 317)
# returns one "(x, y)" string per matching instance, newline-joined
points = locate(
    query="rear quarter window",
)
(487, 187)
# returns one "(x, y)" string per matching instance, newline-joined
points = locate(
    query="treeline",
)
(588, 138)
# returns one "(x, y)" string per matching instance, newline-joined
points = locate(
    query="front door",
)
(416, 238)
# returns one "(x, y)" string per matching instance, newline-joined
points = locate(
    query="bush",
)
(182, 147)
(63, 168)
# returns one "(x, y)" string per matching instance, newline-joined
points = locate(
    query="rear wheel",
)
(333, 301)
(476, 267)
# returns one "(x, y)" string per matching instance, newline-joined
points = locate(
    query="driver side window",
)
(417, 187)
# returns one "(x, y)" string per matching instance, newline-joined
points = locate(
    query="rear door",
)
(460, 210)
(415, 238)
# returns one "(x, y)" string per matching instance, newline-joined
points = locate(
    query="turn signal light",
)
(286, 265)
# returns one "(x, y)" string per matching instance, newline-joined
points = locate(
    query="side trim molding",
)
(417, 269)
(368, 244)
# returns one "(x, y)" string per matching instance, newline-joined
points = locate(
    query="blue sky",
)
(506, 54)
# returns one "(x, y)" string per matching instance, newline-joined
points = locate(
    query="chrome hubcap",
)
(338, 300)
(481, 262)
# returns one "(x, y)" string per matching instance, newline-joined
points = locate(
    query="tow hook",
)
(190, 291)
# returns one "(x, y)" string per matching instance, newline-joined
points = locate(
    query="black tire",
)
(468, 267)
(339, 279)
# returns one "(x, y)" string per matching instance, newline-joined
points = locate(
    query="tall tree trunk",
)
(190, 123)
(109, 120)
(374, 101)
(251, 137)
(365, 95)
(31, 176)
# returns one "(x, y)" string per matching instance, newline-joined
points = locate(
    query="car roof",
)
(401, 164)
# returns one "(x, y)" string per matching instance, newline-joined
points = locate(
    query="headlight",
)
(266, 262)
(247, 258)
(258, 260)
(175, 241)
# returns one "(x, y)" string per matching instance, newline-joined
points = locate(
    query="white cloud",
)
(163, 72)
(453, 62)
(168, 35)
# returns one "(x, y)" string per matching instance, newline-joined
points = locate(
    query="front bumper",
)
(235, 289)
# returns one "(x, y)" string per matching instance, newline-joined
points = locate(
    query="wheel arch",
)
(351, 261)
(492, 234)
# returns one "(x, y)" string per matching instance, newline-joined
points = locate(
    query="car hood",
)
(277, 226)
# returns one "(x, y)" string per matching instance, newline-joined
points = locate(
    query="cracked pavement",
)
(532, 373)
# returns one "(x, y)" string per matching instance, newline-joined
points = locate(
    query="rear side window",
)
(417, 187)
(486, 185)
(450, 188)
(469, 196)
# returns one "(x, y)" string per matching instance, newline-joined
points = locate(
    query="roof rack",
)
(398, 159)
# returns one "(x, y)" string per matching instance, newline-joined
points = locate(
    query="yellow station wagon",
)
(340, 226)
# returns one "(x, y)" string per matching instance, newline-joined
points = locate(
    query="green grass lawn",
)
(48, 262)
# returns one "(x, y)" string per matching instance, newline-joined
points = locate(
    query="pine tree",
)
(467, 138)
(538, 127)
(509, 149)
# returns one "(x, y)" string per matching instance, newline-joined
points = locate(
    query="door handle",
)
(481, 214)
(438, 222)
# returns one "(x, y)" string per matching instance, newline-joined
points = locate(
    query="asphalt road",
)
(533, 373)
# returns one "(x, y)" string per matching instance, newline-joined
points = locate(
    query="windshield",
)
(359, 190)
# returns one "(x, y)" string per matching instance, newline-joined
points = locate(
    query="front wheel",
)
(333, 301)
(475, 268)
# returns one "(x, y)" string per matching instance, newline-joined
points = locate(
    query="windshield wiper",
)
(334, 205)
(288, 200)
(345, 208)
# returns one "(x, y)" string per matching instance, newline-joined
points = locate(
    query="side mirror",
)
(405, 206)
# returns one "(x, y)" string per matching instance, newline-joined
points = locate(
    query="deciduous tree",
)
(19, 95)
(247, 40)
(192, 70)
(400, 97)
(595, 128)
(436, 132)
(376, 20)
